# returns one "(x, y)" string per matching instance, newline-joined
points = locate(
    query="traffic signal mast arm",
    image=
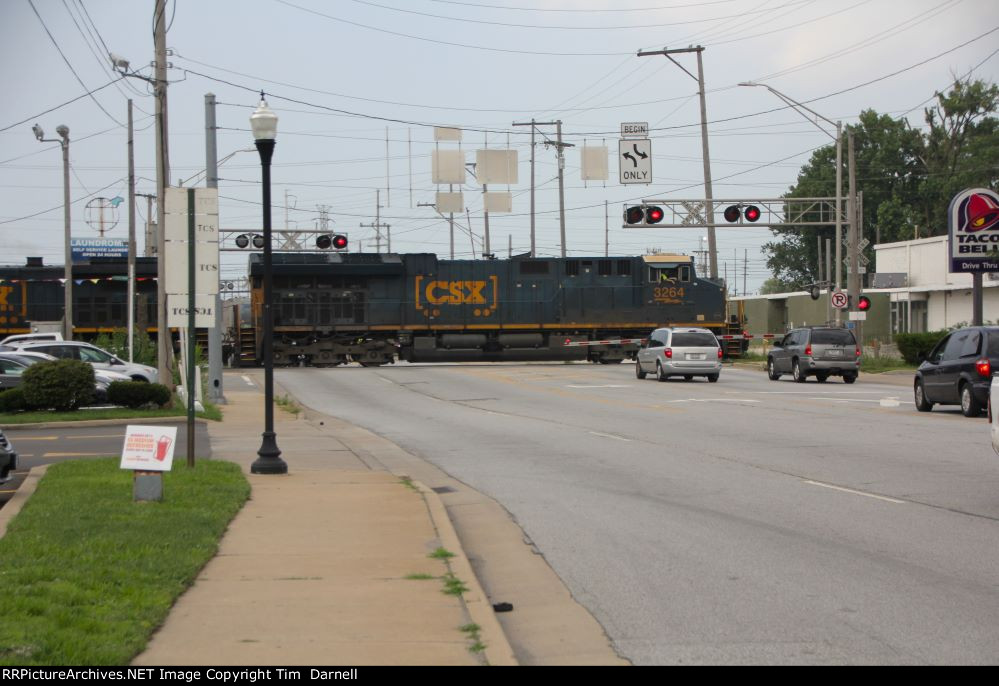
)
(691, 213)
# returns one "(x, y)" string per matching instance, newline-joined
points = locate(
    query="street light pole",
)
(63, 141)
(794, 104)
(264, 124)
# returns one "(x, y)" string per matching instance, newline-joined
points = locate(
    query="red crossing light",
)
(339, 242)
(752, 213)
(863, 303)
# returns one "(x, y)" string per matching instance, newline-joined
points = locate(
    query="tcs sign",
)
(433, 293)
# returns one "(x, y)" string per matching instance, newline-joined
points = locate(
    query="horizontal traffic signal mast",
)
(759, 212)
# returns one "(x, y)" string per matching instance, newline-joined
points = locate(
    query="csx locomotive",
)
(334, 308)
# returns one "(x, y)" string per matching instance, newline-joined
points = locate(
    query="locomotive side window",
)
(604, 268)
(571, 268)
(624, 267)
(673, 273)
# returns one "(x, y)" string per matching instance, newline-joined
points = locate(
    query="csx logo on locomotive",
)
(464, 292)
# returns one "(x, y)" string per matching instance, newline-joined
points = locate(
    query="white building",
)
(924, 295)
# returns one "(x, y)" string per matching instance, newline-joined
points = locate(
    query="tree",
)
(907, 177)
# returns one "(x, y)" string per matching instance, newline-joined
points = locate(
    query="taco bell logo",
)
(973, 231)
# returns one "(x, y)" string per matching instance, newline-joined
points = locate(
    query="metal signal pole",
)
(705, 154)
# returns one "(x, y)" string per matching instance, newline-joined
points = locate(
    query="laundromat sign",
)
(973, 231)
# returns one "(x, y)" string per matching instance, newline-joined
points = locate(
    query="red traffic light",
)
(339, 242)
(752, 213)
(732, 214)
(863, 303)
(644, 215)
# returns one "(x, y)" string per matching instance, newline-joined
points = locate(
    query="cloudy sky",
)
(344, 75)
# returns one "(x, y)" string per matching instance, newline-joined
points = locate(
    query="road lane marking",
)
(715, 400)
(75, 455)
(604, 386)
(616, 438)
(22, 439)
(850, 490)
(248, 381)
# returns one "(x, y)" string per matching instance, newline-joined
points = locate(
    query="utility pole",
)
(450, 220)
(705, 154)
(606, 230)
(377, 225)
(163, 342)
(560, 147)
(215, 332)
(131, 235)
(853, 278)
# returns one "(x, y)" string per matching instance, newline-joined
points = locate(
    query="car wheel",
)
(969, 403)
(821, 378)
(660, 374)
(849, 378)
(771, 370)
(713, 378)
(796, 372)
(638, 370)
(919, 393)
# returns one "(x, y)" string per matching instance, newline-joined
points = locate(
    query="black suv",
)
(959, 370)
(819, 351)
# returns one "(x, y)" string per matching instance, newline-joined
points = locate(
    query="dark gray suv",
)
(819, 351)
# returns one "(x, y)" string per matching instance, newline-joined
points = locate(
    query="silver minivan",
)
(682, 352)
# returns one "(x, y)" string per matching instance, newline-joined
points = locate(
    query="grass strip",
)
(88, 575)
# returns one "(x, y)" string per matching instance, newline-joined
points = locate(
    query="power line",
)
(61, 54)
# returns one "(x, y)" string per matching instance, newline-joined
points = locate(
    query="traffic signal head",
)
(732, 213)
(864, 303)
(242, 240)
(323, 242)
(643, 215)
(751, 213)
(258, 240)
(339, 242)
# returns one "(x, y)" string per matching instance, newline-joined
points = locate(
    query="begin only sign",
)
(149, 448)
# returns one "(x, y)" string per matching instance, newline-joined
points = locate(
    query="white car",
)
(101, 360)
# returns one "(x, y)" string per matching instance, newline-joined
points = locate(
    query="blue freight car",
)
(334, 308)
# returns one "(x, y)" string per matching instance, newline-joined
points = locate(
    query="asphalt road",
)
(39, 446)
(746, 521)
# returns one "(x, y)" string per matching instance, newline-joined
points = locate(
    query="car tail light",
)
(719, 353)
(858, 352)
(669, 353)
(984, 368)
(808, 349)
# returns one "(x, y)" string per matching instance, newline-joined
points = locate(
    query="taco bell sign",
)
(973, 231)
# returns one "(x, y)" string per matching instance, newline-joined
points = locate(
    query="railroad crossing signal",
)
(643, 215)
(733, 213)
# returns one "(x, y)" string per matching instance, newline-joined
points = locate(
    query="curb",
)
(24, 491)
(498, 652)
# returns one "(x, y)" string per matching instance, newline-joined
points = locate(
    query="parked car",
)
(31, 338)
(819, 351)
(100, 359)
(958, 371)
(12, 366)
(8, 458)
(680, 352)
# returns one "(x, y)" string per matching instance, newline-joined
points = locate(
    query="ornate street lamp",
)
(264, 124)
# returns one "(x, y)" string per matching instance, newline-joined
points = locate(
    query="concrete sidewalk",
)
(318, 567)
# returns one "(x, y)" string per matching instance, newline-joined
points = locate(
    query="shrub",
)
(61, 385)
(135, 394)
(12, 400)
(910, 345)
(116, 343)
